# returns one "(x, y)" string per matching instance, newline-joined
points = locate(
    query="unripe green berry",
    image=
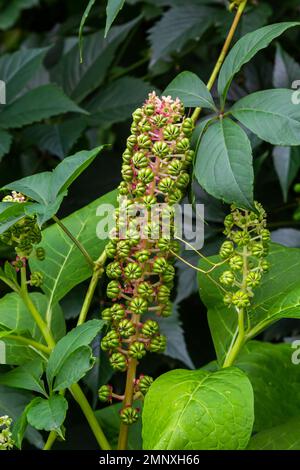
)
(146, 175)
(110, 341)
(133, 271)
(40, 253)
(166, 184)
(137, 115)
(175, 196)
(150, 328)
(126, 156)
(145, 290)
(166, 310)
(137, 350)
(131, 141)
(149, 201)
(175, 167)
(159, 120)
(106, 314)
(111, 249)
(241, 238)
(123, 248)
(127, 173)
(160, 149)
(160, 265)
(227, 299)
(188, 126)
(129, 415)
(183, 145)
(105, 393)
(253, 279)
(118, 362)
(257, 249)
(163, 294)
(113, 289)
(36, 279)
(140, 160)
(240, 299)
(144, 383)
(227, 278)
(164, 244)
(117, 312)
(139, 189)
(138, 305)
(265, 235)
(265, 265)
(126, 328)
(226, 249)
(182, 180)
(143, 141)
(171, 132)
(142, 256)
(113, 270)
(158, 344)
(149, 109)
(236, 262)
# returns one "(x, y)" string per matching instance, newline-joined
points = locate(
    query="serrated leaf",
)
(112, 9)
(283, 437)
(271, 115)
(79, 79)
(18, 68)
(15, 316)
(286, 163)
(219, 404)
(245, 49)
(63, 267)
(80, 336)
(276, 297)
(224, 163)
(190, 89)
(76, 365)
(5, 142)
(116, 101)
(177, 26)
(27, 377)
(48, 414)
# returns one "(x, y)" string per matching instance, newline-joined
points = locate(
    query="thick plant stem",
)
(74, 240)
(31, 342)
(34, 312)
(90, 417)
(223, 54)
(131, 372)
(239, 342)
(50, 441)
(98, 271)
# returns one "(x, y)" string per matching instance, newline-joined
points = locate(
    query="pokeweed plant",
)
(248, 286)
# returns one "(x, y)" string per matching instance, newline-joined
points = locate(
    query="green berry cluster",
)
(245, 251)
(6, 441)
(141, 272)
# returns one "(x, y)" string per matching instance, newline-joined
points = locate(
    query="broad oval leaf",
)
(76, 365)
(245, 49)
(48, 414)
(191, 90)
(224, 163)
(219, 404)
(270, 114)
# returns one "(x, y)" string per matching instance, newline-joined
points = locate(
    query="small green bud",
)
(127, 173)
(146, 175)
(105, 393)
(143, 141)
(188, 126)
(140, 160)
(36, 279)
(175, 196)
(240, 299)
(123, 248)
(106, 314)
(144, 383)
(227, 299)
(118, 362)
(175, 167)
(164, 244)
(126, 328)
(113, 270)
(166, 184)
(145, 290)
(117, 312)
(227, 278)
(138, 305)
(258, 250)
(149, 109)
(161, 149)
(110, 341)
(159, 120)
(137, 350)
(160, 265)
(226, 249)
(133, 271)
(166, 310)
(139, 189)
(241, 238)
(126, 156)
(149, 201)
(183, 145)
(158, 344)
(182, 180)
(134, 128)
(265, 235)
(169, 274)
(113, 289)
(150, 328)
(265, 265)
(163, 294)
(111, 249)
(131, 141)
(253, 279)
(137, 115)
(236, 262)
(40, 253)
(142, 256)
(171, 132)
(129, 415)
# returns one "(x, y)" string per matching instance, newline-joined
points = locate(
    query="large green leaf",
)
(5, 142)
(18, 68)
(283, 437)
(15, 316)
(116, 101)
(79, 79)
(224, 163)
(76, 365)
(210, 411)
(64, 266)
(277, 296)
(13, 403)
(286, 163)
(286, 69)
(190, 89)
(27, 377)
(270, 114)
(275, 381)
(177, 26)
(112, 10)
(10, 213)
(245, 49)
(48, 414)
(37, 104)
(80, 336)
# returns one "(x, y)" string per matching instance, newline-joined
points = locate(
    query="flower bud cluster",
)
(141, 272)
(245, 251)
(6, 441)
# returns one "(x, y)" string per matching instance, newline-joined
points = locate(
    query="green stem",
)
(98, 271)
(33, 310)
(50, 441)
(74, 240)
(239, 342)
(128, 399)
(31, 342)
(90, 417)
(223, 54)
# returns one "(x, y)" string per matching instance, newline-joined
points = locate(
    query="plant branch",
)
(74, 240)
(223, 53)
(50, 441)
(30, 342)
(128, 399)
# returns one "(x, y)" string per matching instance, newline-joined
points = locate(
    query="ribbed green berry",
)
(144, 383)
(174, 167)
(139, 189)
(127, 173)
(164, 244)
(240, 299)
(143, 141)
(183, 144)
(113, 289)
(137, 115)
(137, 350)
(189, 156)
(117, 312)
(142, 255)
(168, 274)
(129, 415)
(40, 253)
(131, 141)
(110, 341)
(126, 156)
(227, 278)
(265, 265)
(265, 235)
(118, 362)
(188, 126)
(113, 270)
(227, 299)
(133, 271)
(138, 305)
(111, 249)
(163, 293)
(146, 175)
(166, 310)
(229, 221)
(241, 238)
(105, 393)
(149, 109)
(151, 230)
(123, 248)
(166, 184)
(145, 290)
(236, 262)
(134, 128)
(159, 120)
(160, 265)
(140, 160)
(150, 328)
(182, 180)
(226, 249)
(36, 279)
(126, 328)
(253, 279)
(106, 314)
(257, 249)
(161, 149)
(175, 196)
(145, 125)
(171, 132)
(149, 201)
(158, 344)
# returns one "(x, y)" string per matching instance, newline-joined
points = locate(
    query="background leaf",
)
(5, 142)
(286, 163)
(112, 10)
(190, 90)
(48, 414)
(27, 377)
(283, 437)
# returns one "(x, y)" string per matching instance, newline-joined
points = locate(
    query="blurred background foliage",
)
(56, 105)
